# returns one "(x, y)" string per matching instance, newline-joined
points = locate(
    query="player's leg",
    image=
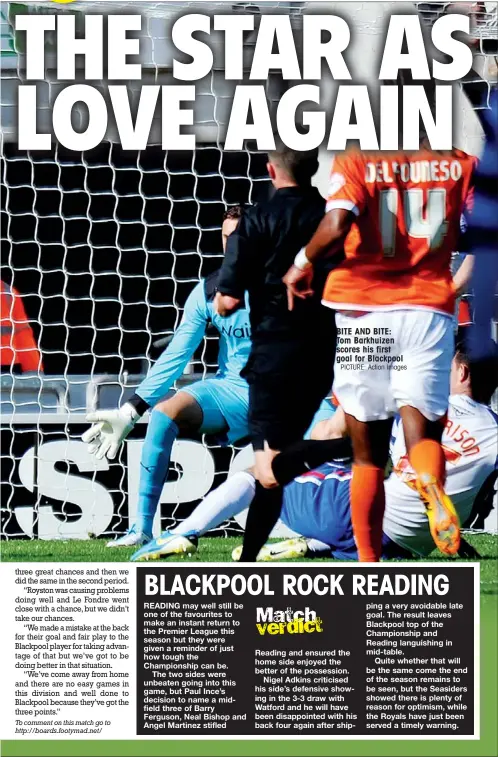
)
(296, 502)
(288, 382)
(193, 409)
(267, 395)
(280, 414)
(426, 455)
(265, 507)
(316, 505)
(370, 442)
(180, 412)
(221, 504)
(228, 500)
(213, 406)
(364, 394)
(422, 396)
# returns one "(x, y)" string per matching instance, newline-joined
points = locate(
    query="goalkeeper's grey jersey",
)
(234, 348)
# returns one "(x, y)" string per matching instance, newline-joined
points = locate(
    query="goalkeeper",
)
(212, 406)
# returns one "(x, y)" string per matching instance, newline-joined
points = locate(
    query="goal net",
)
(103, 248)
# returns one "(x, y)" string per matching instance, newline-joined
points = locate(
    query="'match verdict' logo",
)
(287, 621)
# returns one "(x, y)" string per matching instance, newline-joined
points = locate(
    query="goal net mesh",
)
(103, 247)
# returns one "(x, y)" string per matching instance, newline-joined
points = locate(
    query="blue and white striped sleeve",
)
(175, 357)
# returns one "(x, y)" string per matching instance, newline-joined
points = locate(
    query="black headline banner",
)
(306, 650)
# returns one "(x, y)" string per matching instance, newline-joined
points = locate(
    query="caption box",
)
(306, 651)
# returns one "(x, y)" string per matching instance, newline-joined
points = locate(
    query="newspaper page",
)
(197, 557)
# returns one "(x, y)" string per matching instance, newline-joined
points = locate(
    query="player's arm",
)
(347, 198)
(307, 455)
(238, 264)
(327, 239)
(111, 427)
(462, 277)
(332, 428)
(172, 362)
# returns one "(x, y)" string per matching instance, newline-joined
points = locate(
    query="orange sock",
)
(367, 510)
(427, 456)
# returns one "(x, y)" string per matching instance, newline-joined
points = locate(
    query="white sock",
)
(317, 547)
(229, 499)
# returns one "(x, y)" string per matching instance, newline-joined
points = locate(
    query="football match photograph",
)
(249, 316)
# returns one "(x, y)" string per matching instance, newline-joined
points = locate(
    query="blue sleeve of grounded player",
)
(175, 357)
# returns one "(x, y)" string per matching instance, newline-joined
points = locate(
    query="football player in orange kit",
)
(398, 216)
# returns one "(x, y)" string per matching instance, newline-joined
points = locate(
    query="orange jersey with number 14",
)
(407, 209)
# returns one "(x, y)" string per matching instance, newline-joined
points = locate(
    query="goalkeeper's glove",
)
(109, 430)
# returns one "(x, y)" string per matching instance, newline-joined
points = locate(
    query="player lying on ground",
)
(324, 412)
(214, 406)
(399, 221)
(316, 504)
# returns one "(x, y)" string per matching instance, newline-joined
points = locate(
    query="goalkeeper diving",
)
(216, 405)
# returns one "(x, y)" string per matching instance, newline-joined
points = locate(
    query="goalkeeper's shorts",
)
(224, 403)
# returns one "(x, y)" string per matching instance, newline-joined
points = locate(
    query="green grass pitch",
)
(215, 549)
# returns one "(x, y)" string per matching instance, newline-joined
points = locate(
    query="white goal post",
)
(104, 246)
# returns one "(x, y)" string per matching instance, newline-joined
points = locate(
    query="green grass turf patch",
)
(215, 549)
